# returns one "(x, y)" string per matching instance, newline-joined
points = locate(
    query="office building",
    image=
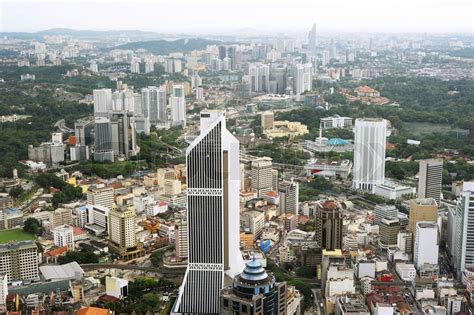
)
(213, 183)
(430, 179)
(178, 106)
(261, 172)
(63, 235)
(121, 229)
(254, 292)
(383, 211)
(268, 119)
(19, 261)
(426, 244)
(57, 152)
(103, 150)
(351, 304)
(369, 153)
(329, 219)
(463, 244)
(102, 101)
(253, 221)
(388, 232)
(336, 121)
(83, 131)
(422, 210)
(289, 197)
(100, 195)
(60, 217)
(123, 136)
(278, 79)
(222, 52)
(259, 78)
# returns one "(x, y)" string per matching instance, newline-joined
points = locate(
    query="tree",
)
(16, 192)
(32, 226)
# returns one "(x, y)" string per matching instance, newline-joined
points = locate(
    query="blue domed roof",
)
(254, 271)
(337, 141)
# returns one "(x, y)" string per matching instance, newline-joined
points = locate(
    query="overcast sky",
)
(226, 16)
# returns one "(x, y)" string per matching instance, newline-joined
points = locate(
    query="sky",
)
(234, 16)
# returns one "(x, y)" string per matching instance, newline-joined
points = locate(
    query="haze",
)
(232, 16)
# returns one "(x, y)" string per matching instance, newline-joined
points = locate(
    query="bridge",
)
(158, 271)
(291, 168)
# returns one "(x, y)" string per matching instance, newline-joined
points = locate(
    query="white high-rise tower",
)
(369, 152)
(213, 179)
(178, 106)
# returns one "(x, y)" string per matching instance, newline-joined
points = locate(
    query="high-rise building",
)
(178, 106)
(154, 104)
(278, 74)
(303, 78)
(60, 217)
(102, 101)
(259, 78)
(222, 52)
(430, 179)
(103, 150)
(3, 290)
(213, 183)
(261, 176)
(463, 245)
(123, 100)
(235, 57)
(383, 211)
(122, 237)
(181, 237)
(312, 39)
(63, 235)
(422, 210)
(82, 131)
(124, 141)
(369, 153)
(254, 292)
(268, 119)
(329, 219)
(100, 195)
(149, 66)
(389, 228)
(19, 260)
(135, 66)
(289, 197)
(426, 244)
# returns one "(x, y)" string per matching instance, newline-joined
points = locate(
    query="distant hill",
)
(86, 34)
(164, 47)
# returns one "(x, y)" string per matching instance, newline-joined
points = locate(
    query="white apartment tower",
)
(262, 176)
(369, 152)
(178, 106)
(430, 179)
(154, 104)
(213, 216)
(63, 235)
(426, 244)
(102, 101)
(463, 247)
(303, 79)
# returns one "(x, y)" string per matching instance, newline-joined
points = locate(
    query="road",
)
(61, 125)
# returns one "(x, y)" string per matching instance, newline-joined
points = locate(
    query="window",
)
(226, 303)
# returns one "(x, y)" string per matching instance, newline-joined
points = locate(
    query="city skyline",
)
(441, 16)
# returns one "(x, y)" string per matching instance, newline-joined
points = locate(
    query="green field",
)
(14, 235)
(423, 128)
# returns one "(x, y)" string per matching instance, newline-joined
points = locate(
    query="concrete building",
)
(103, 150)
(430, 179)
(254, 292)
(268, 119)
(100, 195)
(329, 219)
(259, 78)
(383, 211)
(63, 235)
(178, 106)
(213, 180)
(422, 209)
(391, 189)
(102, 101)
(121, 229)
(388, 236)
(116, 287)
(351, 304)
(369, 153)
(289, 197)
(426, 244)
(153, 104)
(60, 217)
(3, 291)
(181, 237)
(303, 78)
(336, 121)
(291, 222)
(254, 221)
(19, 261)
(406, 272)
(261, 172)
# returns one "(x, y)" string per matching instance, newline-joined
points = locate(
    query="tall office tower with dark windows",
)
(430, 179)
(329, 219)
(213, 180)
(103, 150)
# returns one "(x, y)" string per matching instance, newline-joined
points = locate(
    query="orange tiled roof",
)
(56, 252)
(92, 311)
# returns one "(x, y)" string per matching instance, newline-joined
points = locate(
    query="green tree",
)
(32, 226)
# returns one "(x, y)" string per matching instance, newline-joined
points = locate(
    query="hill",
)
(164, 47)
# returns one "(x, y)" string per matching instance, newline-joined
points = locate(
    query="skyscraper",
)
(369, 152)
(124, 142)
(329, 225)
(463, 246)
(430, 179)
(262, 175)
(312, 39)
(121, 228)
(278, 75)
(213, 216)
(259, 77)
(289, 197)
(422, 210)
(102, 101)
(154, 104)
(303, 78)
(103, 150)
(426, 244)
(178, 106)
